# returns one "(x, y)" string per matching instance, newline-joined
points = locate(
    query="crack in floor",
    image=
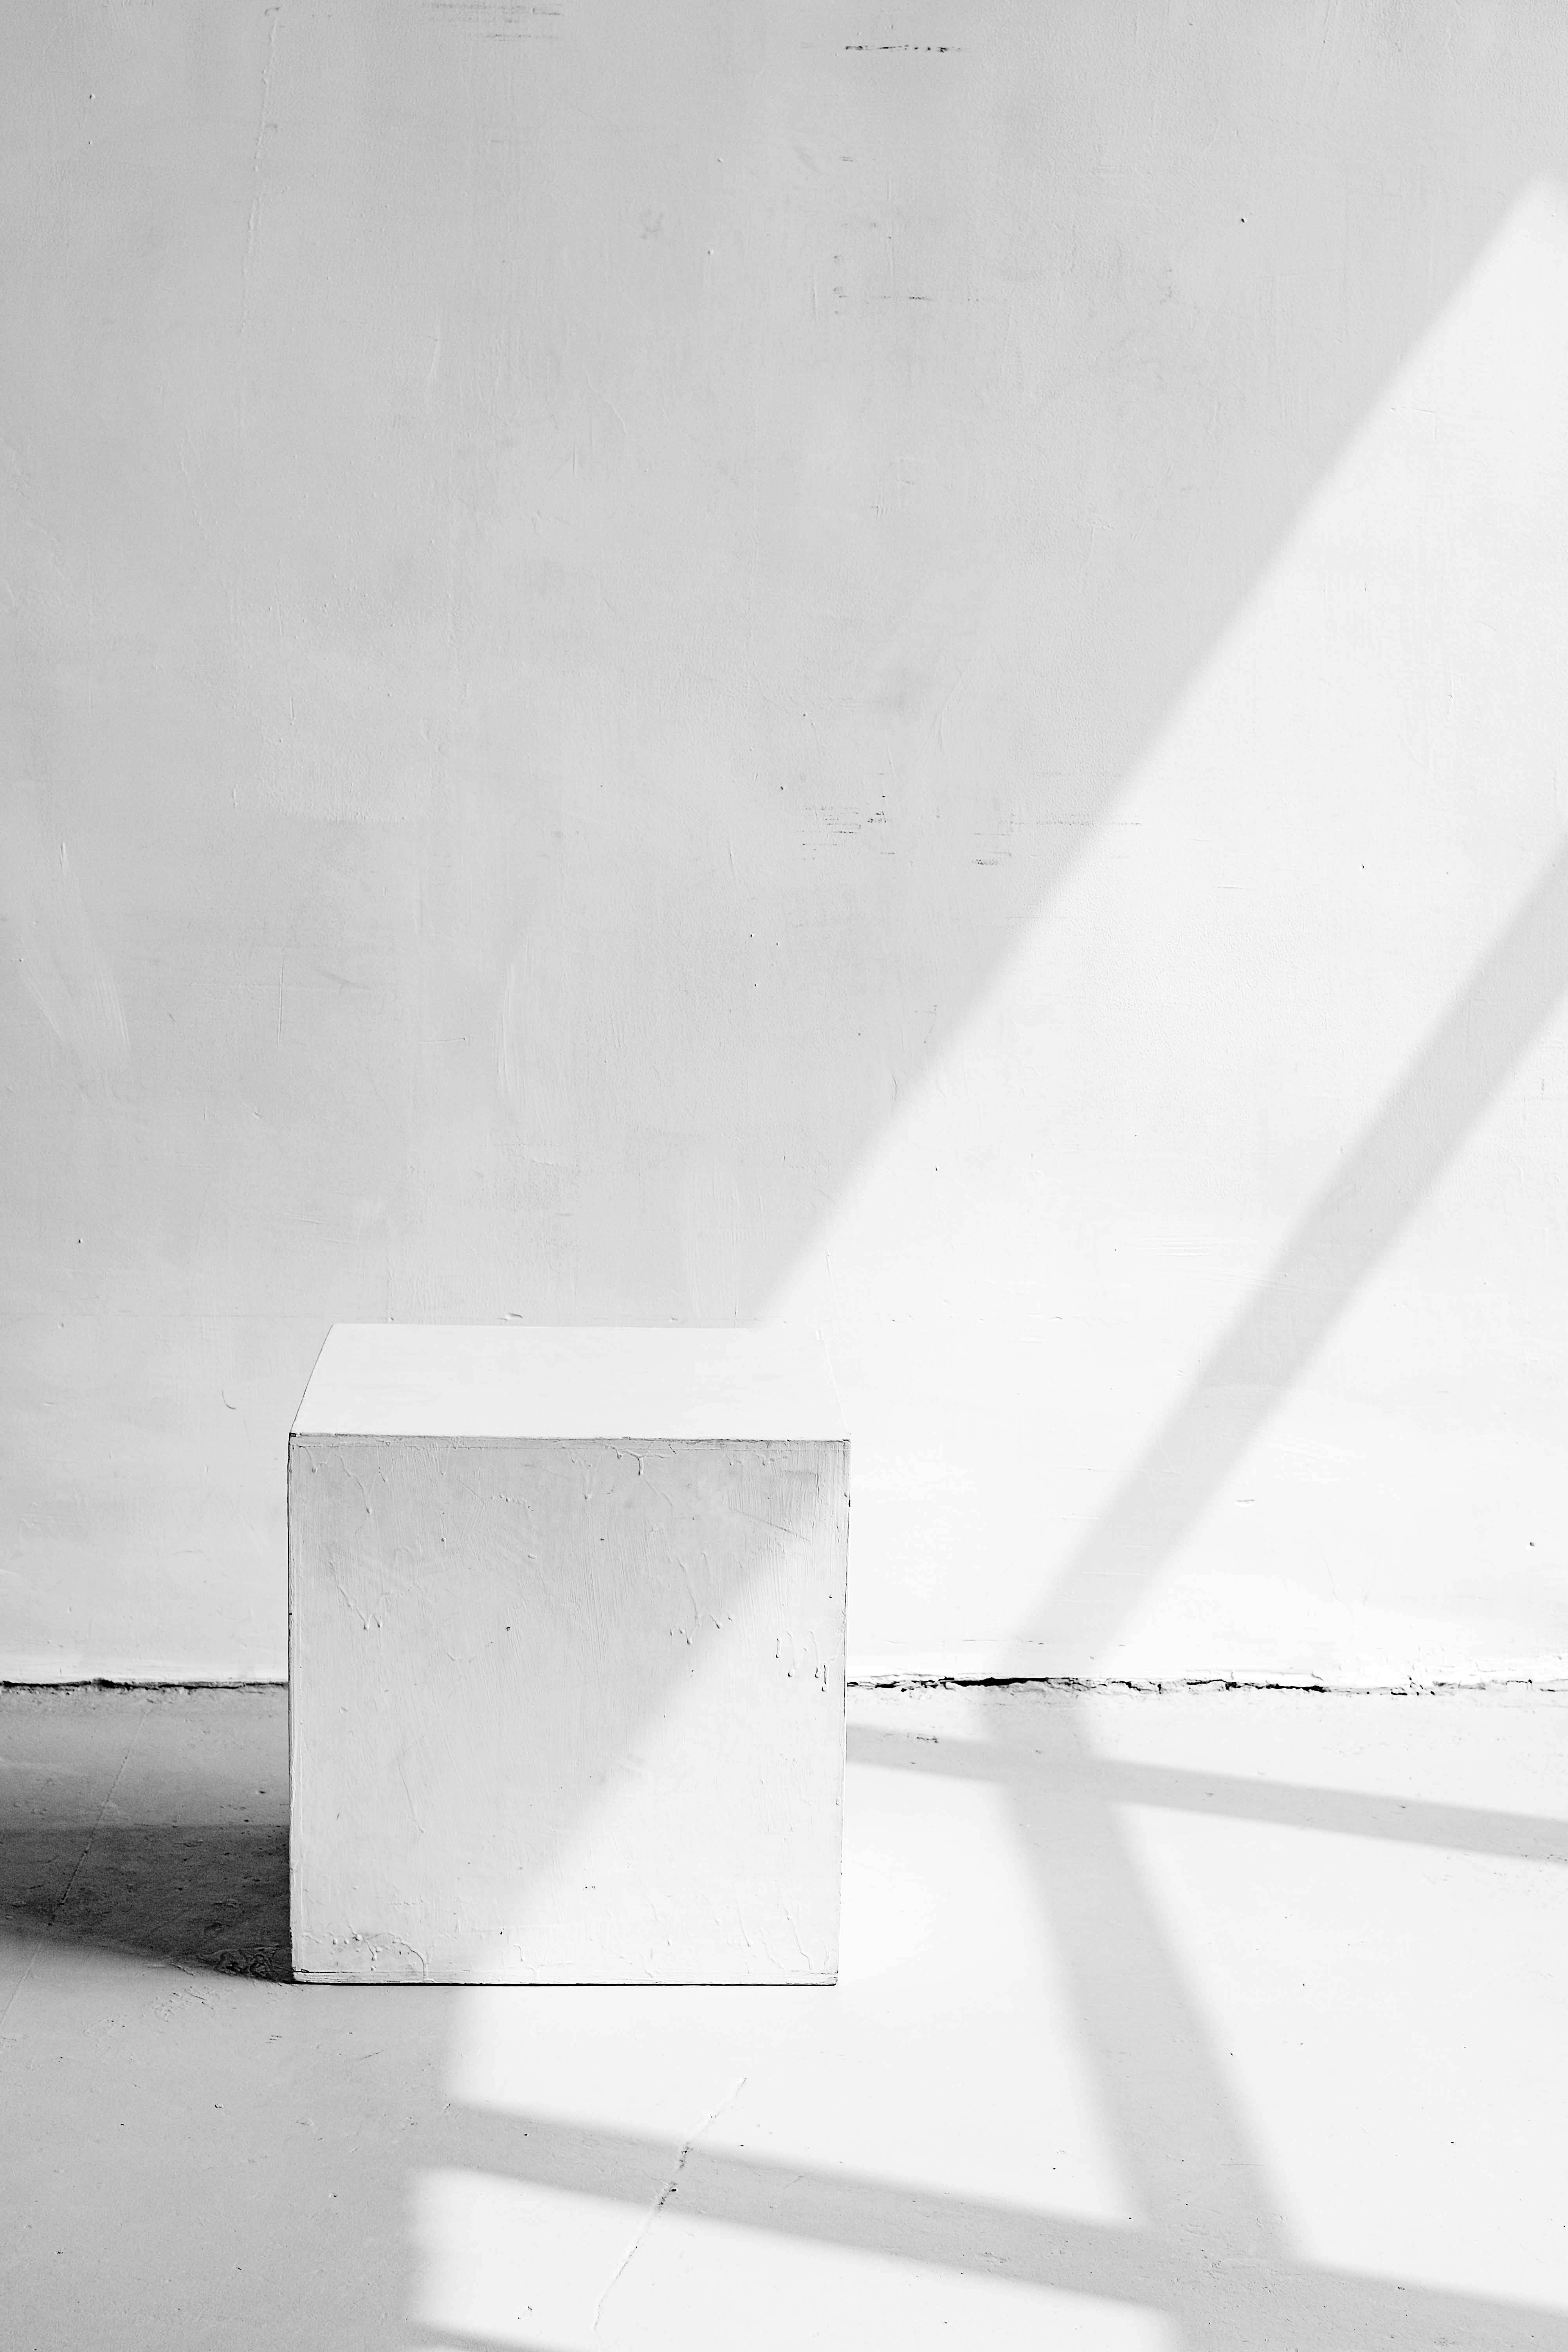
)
(657, 2208)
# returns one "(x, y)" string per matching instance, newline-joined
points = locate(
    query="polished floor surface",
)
(1201, 2018)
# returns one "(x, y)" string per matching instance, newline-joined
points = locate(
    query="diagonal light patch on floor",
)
(1348, 1812)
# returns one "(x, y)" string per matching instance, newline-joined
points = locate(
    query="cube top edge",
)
(513, 1380)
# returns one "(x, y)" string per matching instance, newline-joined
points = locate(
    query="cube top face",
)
(412, 1379)
(564, 1708)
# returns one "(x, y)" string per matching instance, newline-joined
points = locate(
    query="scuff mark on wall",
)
(274, 16)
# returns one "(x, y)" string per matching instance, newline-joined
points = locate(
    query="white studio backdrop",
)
(732, 665)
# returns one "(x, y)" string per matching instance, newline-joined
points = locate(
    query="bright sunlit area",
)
(784, 1264)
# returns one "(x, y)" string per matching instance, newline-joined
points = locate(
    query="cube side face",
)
(566, 1711)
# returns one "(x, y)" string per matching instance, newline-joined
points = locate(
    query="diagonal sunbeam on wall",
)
(1056, 1233)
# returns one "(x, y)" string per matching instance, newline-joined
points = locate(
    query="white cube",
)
(566, 1657)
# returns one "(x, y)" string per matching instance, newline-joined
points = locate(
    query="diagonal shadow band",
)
(1356, 1220)
(1345, 1812)
(1170, 2109)
(1258, 2301)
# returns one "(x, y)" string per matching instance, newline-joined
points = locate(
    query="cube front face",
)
(566, 1710)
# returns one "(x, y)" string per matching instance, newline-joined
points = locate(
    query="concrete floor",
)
(1216, 2019)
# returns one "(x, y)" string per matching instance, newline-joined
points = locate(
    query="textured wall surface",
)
(739, 661)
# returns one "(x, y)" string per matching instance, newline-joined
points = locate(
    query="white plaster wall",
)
(737, 662)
